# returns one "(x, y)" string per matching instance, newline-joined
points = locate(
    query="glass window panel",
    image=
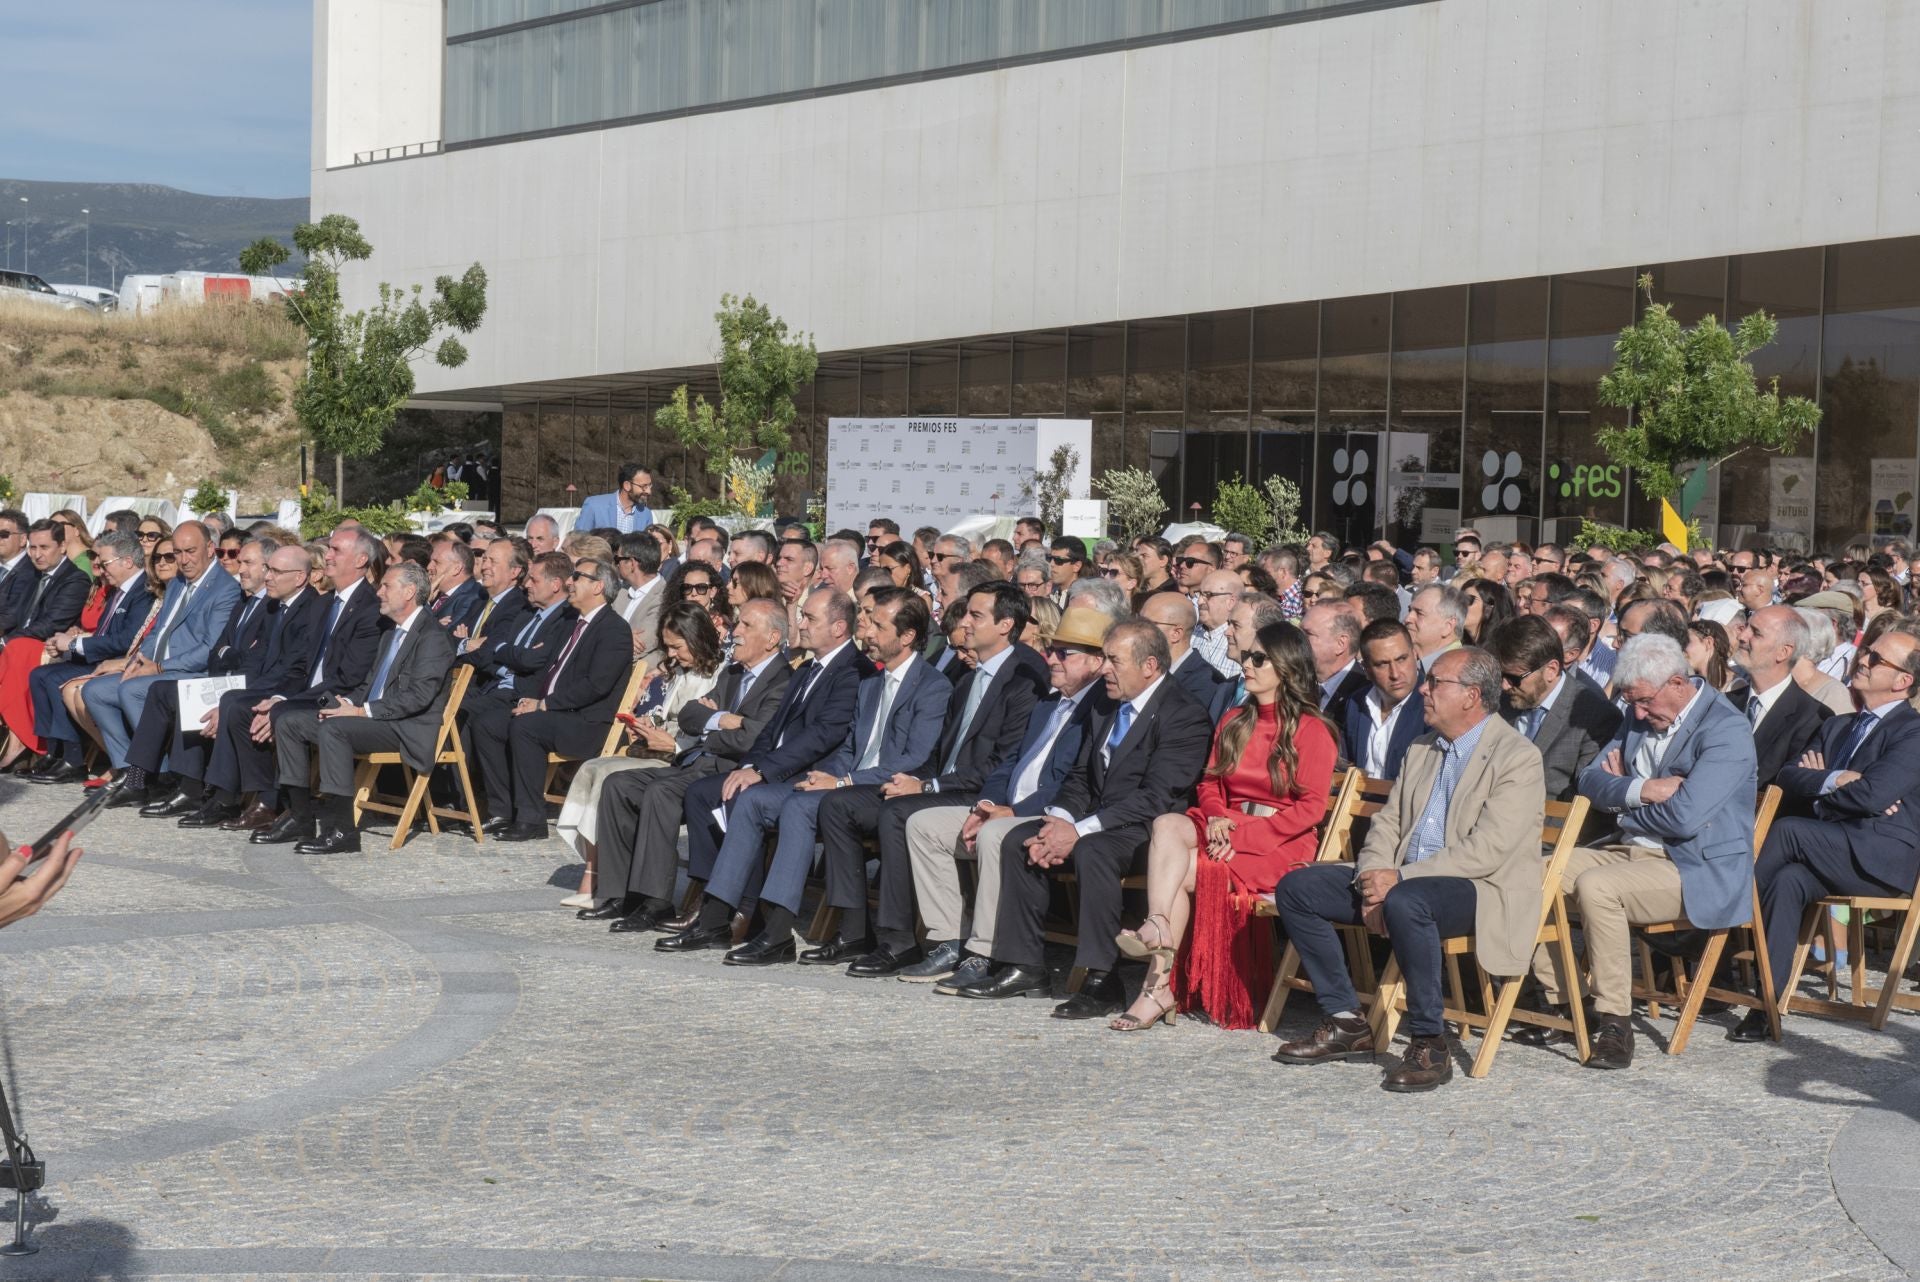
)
(1422, 449)
(1286, 372)
(1040, 374)
(1786, 286)
(883, 385)
(1506, 396)
(1096, 365)
(1871, 392)
(986, 378)
(1349, 493)
(1694, 289)
(1157, 365)
(556, 470)
(1219, 345)
(1589, 311)
(519, 460)
(932, 387)
(593, 446)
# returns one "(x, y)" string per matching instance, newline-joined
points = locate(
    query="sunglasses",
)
(1188, 562)
(944, 556)
(1871, 659)
(1109, 574)
(1214, 596)
(151, 536)
(591, 578)
(692, 588)
(1512, 682)
(1256, 659)
(229, 554)
(1061, 560)
(165, 558)
(1061, 653)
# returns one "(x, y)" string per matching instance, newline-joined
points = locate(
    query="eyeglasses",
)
(229, 554)
(1512, 682)
(1543, 560)
(1255, 659)
(691, 588)
(1462, 549)
(1430, 680)
(1061, 653)
(292, 569)
(943, 556)
(165, 558)
(9, 534)
(150, 536)
(1061, 560)
(1188, 562)
(1871, 659)
(591, 578)
(618, 559)
(1213, 596)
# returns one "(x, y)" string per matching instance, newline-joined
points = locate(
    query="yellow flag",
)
(1672, 526)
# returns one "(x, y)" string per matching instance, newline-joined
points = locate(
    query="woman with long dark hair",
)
(1262, 797)
(1489, 605)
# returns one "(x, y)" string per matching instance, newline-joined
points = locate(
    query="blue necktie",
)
(1863, 724)
(1122, 722)
(379, 686)
(326, 640)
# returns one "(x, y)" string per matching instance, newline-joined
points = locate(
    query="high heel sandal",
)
(1133, 946)
(1128, 1022)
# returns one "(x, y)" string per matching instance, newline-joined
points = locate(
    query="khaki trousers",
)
(1615, 888)
(935, 849)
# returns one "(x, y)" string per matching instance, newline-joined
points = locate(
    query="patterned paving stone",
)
(415, 1064)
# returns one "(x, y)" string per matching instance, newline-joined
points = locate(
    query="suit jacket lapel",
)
(1138, 730)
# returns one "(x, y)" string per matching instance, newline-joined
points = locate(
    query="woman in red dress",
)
(1261, 800)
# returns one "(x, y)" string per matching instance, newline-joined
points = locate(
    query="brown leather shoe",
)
(1426, 1065)
(252, 819)
(1333, 1039)
(1612, 1043)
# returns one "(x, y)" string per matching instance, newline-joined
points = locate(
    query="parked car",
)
(99, 296)
(28, 288)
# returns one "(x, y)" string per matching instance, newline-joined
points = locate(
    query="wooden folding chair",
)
(447, 751)
(617, 734)
(1353, 798)
(1558, 836)
(1688, 994)
(1865, 1002)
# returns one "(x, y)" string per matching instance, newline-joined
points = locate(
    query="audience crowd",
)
(962, 746)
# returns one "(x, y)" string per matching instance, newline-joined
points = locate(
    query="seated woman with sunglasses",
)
(689, 672)
(1261, 799)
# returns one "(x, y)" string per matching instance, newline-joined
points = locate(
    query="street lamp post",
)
(89, 263)
(26, 232)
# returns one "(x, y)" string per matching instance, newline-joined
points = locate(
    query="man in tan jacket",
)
(1456, 851)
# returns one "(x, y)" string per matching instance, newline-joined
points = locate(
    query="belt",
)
(1257, 810)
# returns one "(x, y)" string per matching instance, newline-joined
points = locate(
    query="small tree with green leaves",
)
(1283, 499)
(760, 369)
(1134, 501)
(207, 497)
(1050, 487)
(1694, 397)
(360, 364)
(1239, 508)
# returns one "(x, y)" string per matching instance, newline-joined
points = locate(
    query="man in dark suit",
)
(1784, 717)
(502, 571)
(1862, 778)
(117, 557)
(345, 643)
(811, 725)
(397, 707)
(1333, 634)
(237, 651)
(1021, 787)
(1135, 765)
(1174, 615)
(456, 597)
(1384, 722)
(985, 723)
(16, 571)
(896, 726)
(1559, 709)
(568, 708)
(641, 810)
(512, 664)
(59, 590)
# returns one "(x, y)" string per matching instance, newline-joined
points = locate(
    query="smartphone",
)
(74, 820)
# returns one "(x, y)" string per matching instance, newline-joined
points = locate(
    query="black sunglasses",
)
(1188, 562)
(1256, 659)
(691, 588)
(1061, 560)
(165, 558)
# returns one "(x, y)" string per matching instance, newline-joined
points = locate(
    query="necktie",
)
(566, 652)
(106, 615)
(379, 686)
(165, 636)
(1753, 711)
(1536, 717)
(871, 757)
(1042, 749)
(1863, 724)
(974, 696)
(326, 640)
(479, 628)
(39, 591)
(1122, 722)
(740, 695)
(433, 606)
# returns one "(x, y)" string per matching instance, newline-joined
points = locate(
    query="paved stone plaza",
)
(236, 1061)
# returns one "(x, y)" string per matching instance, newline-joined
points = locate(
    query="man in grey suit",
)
(638, 564)
(641, 810)
(397, 708)
(1679, 777)
(1560, 709)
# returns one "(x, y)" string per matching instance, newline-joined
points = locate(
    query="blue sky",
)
(209, 96)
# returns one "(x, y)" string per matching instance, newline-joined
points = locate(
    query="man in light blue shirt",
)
(628, 509)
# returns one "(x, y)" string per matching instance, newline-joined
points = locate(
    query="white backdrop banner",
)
(936, 471)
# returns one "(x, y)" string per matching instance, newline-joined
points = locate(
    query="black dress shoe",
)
(1100, 995)
(252, 819)
(522, 832)
(58, 772)
(1009, 981)
(1535, 1035)
(695, 938)
(601, 912)
(838, 952)
(125, 798)
(180, 803)
(637, 922)
(1753, 1027)
(287, 828)
(494, 827)
(210, 815)
(334, 841)
(762, 950)
(1612, 1043)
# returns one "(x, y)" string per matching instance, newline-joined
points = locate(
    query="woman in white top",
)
(691, 668)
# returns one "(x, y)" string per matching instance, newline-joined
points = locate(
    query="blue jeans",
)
(1420, 912)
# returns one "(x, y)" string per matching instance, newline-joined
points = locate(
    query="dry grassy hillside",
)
(149, 405)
